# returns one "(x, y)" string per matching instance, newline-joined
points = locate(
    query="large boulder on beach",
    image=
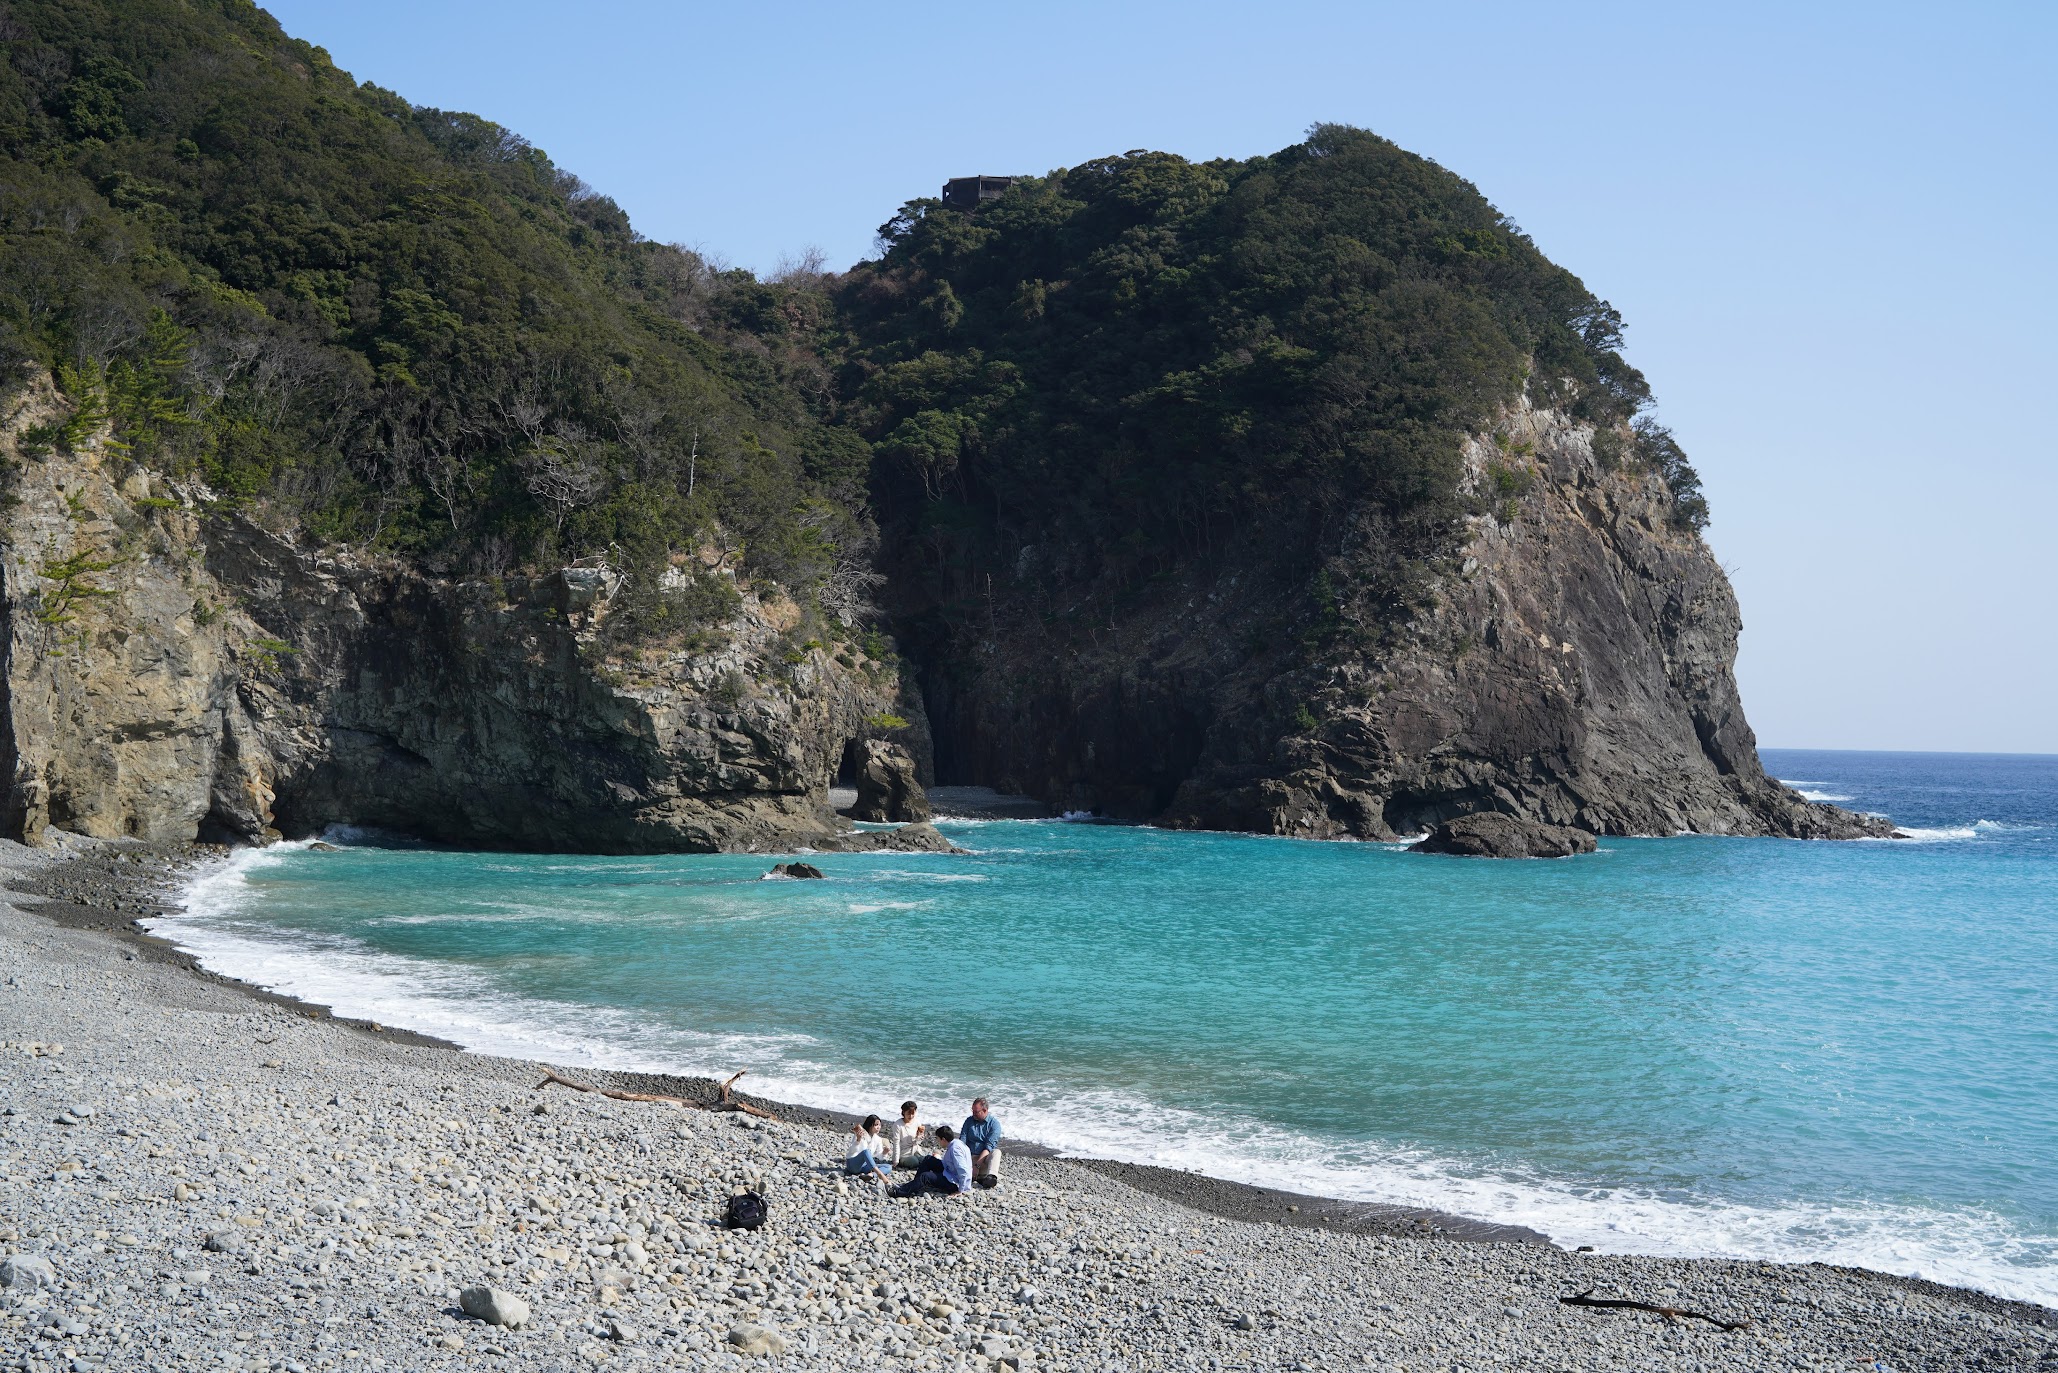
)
(1491, 834)
(887, 788)
(27, 1273)
(494, 1306)
(756, 1339)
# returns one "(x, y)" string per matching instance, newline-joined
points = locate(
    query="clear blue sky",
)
(1829, 227)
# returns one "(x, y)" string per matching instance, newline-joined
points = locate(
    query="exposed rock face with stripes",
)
(1572, 666)
(171, 674)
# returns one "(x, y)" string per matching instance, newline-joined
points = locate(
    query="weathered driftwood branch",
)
(1670, 1313)
(730, 1103)
(727, 1101)
(550, 1077)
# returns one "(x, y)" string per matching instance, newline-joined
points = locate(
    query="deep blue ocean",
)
(1757, 1047)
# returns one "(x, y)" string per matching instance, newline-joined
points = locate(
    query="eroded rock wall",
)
(198, 675)
(1576, 668)
(171, 673)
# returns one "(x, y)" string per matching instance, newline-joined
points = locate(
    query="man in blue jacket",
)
(949, 1172)
(981, 1135)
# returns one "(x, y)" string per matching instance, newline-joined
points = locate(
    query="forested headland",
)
(1221, 492)
(408, 329)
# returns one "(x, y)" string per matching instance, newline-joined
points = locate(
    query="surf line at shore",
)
(224, 930)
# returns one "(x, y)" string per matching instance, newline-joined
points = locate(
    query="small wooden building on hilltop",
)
(970, 192)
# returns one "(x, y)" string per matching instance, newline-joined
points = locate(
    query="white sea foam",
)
(1978, 829)
(1812, 791)
(466, 1006)
(371, 836)
(1939, 835)
(874, 907)
(450, 1001)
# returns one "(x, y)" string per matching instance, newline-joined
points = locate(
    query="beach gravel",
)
(246, 1186)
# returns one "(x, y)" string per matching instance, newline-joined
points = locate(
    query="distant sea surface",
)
(1751, 1047)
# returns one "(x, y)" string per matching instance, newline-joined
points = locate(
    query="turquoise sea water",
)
(1754, 1047)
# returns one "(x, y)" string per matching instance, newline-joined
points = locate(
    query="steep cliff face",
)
(170, 674)
(1571, 665)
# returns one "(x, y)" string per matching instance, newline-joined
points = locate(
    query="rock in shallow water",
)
(1493, 835)
(920, 838)
(886, 785)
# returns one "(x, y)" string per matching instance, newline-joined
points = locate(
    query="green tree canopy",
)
(392, 325)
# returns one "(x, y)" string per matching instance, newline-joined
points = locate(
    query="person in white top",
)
(866, 1147)
(907, 1137)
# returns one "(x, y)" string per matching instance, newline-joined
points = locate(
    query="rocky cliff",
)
(170, 674)
(1569, 665)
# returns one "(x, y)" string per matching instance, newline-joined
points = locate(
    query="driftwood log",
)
(726, 1101)
(1670, 1313)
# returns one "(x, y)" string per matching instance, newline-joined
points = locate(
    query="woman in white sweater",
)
(908, 1137)
(866, 1148)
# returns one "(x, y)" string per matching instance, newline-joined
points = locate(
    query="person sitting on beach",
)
(865, 1150)
(981, 1134)
(949, 1172)
(907, 1137)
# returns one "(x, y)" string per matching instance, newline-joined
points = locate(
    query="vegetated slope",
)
(309, 341)
(1299, 494)
(398, 327)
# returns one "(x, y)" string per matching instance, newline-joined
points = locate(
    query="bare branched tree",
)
(638, 422)
(105, 327)
(447, 472)
(281, 369)
(686, 278)
(563, 477)
(804, 268)
(524, 405)
(847, 591)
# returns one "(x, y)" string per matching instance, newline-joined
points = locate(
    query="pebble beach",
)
(194, 1176)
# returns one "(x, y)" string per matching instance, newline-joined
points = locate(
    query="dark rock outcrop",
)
(887, 787)
(916, 838)
(807, 871)
(1569, 664)
(1490, 834)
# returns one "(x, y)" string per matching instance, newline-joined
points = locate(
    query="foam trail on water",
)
(467, 1007)
(1942, 834)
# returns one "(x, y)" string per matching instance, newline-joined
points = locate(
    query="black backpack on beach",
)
(745, 1211)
